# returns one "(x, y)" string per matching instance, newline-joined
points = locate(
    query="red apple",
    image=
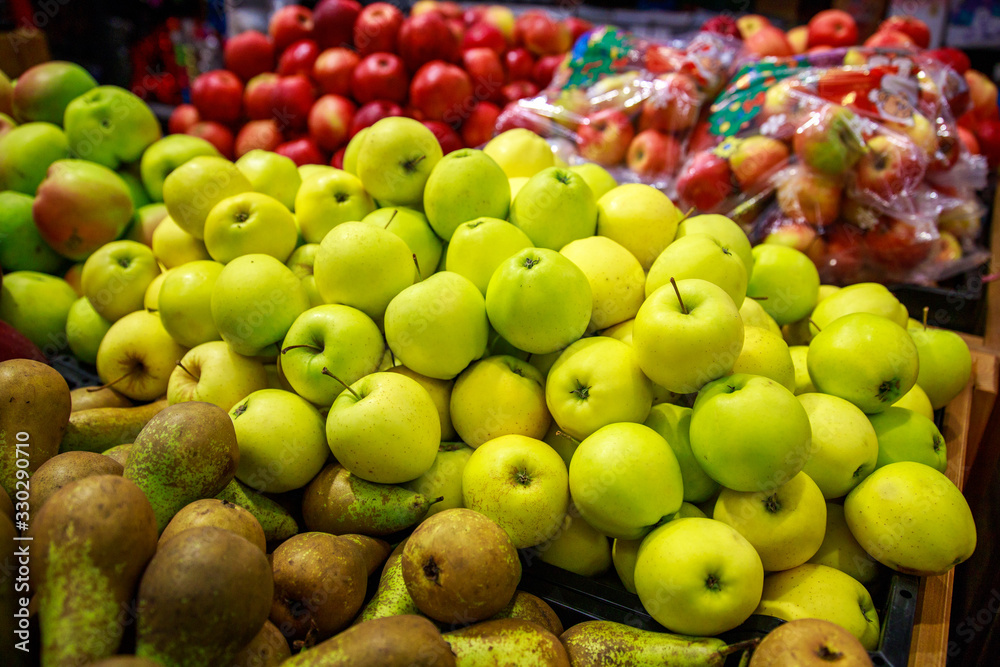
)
(218, 95)
(480, 126)
(262, 134)
(182, 117)
(333, 69)
(897, 245)
(653, 153)
(661, 59)
(890, 39)
(968, 140)
(290, 24)
(258, 96)
(15, 345)
(298, 58)
(702, 138)
(441, 91)
(293, 97)
(337, 161)
(334, 23)
(952, 57)
(577, 27)
(982, 94)
(248, 54)
(673, 104)
(372, 112)
(792, 234)
(705, 182)
(888, 168)
(545, 68)
(809, 196)
(520, 64)
(330, 121)
(768, 41)
(214, 133)
(450, 10)
(988, 136)
(843, 254)
(518, 90)
(302, 151)
(751, 23)
(379, 76)
(457, 29)
(423, 7)
(541, 34)
(474, 14)
(376, 28)
(832, 27)
(604, 137)
(425, 38)
(484, 35)
(910, 26)
(484, 68)
(723, 24)
(446, 136)
(755, 159)
(513, 116)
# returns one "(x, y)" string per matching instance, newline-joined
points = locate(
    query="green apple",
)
(254, 301)
(753, 314)
(384, 428)
(765, 353)
(438, 326)
(904, 435)
(597, 177)
(478, 247)
(329, 345)
(520, 152)
(301, 263)
(110, 126)
(22, 247)
(787, 281)
(871, 298)
(640, 218)
(673, 423)
(85, 328)
(165, 155)
(116, 276)
(698, 576)
(521, 483)
(616, 279)
(577, 548)
(271, 174)
(844, 446)
(137, 356)
(466, 184)
(444, 478)
(803, 383)
(867, 359)
(621, 331)
(172, 246)
(624, 554)
(945, 363)
(193, 189)
(307, 170)
(213, 373)
(562, 442)
(42, 92)
(749, 433)
(841, 551)
(539, 300)
(554, 207)
(352, 150)
(327, 199)
(499, 395)
(185, 302)
(723, 230)
(516, 184)
(818, 591)
(699, 256)
(26, 152)
(363, 266)
(688, 335)
(439, 390)
(785, 525)
(595, 382)
(250, 223)
(916, 399)
(281, 438)
(411, 226)
(625, 479)
(37, 305)
(395, 159)
(151, 299)
(135, 189)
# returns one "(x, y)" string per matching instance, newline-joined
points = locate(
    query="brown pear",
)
(460, 567)
(125, 661)
(36, 407)
(268, 648)
(391, 597)
(810, 642)
(204, 596)
(320, 582)
(119, 453)
(373, 550)
(84, 398)
(277, 522)
(395, 641)
(510, 642)
(528, 607)
(98, 429)
(219, 513)
(68, 467)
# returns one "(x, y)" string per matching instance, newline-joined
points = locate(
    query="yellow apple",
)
(213, 373)
(765, 353)
(841, 551)
(172, 246)
(640, 218)
(615, 275)
(577, 547)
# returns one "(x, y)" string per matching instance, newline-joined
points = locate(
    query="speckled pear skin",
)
(125, 661)
(374, 551)
(528, 607)
(91, 541)
(203, 597)
(186, 452)
(268, 648)
(395, 641)
(499, 642)
(613, 644)
(65, 468)
(277, 523)
(391, 598)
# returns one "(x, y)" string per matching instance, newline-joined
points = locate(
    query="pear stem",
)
(112, 383)
(815, 325)
(564, 434)
(927, 309)
(679, 299)
(295, 347)
(326, 371)
(183, 368)
(738, 646)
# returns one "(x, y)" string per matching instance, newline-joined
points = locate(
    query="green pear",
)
(591, 643)
(276, 521)
(528, 607)
(99, 429)
(392, 597)
(382, 642)
(531, 643)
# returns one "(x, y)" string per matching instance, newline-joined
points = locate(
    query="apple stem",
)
(564, 434)
(391, 217)
(112, 383)
(326, 371)
(152, 310)
(686, 215)
(183, 368)
(416, 263)
(295, 347)
(679, 299)
(739, 646)
(815, 325)
(758, 298)
(927, 309)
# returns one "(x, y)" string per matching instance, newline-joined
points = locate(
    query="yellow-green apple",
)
(912, 518)
(411, 226)
(818, 591)
(110, 126)
(281, 438)
(438, 326)
(26, 152)
(301, 263)
(85, 329)
(151, 299)
(478, 247)
(520, 152)
(829, 141)
(700, 256)
(213, 373)
(916, 399)
(80, 206)
(755, 159)
(860, 298)
(185, 302)
(351, 151)
(145, 221)
(499, 395)
(888, 168)
(844, 447)
(577, 548)
(945, 363)
(466, 184)
(22, 247)
(653, 154)
(920, 129)
(596, 177)
(615, 275)
(673, 423)
(539, 300)
(6, 95)
(363, 266)
(841, 551)
(595, 382)
(624, 554)
(754, 315)
(705, 182)
(42, 92)
(749, 433)
(195, 187)
(785, 524)
(165, 155)
(521, 483)
(255, 299)
(395, 160)
(327, 199)
(866, 359)
(640, 218)
(766, 354)
(517, 183)
(116, 276)
(444, 478)
(271, 174)
(687, 334)
(250, 223)
(172, 246)
(604, 136)
(698, 576)
(807, 195)
(786, 282)
(37, 305)
(904, 435)
(137, 356)
(328, 345)
(554, 207)
(722, 229)
(798, 38)
(751, 23)
(439, 390)
(384, 428)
